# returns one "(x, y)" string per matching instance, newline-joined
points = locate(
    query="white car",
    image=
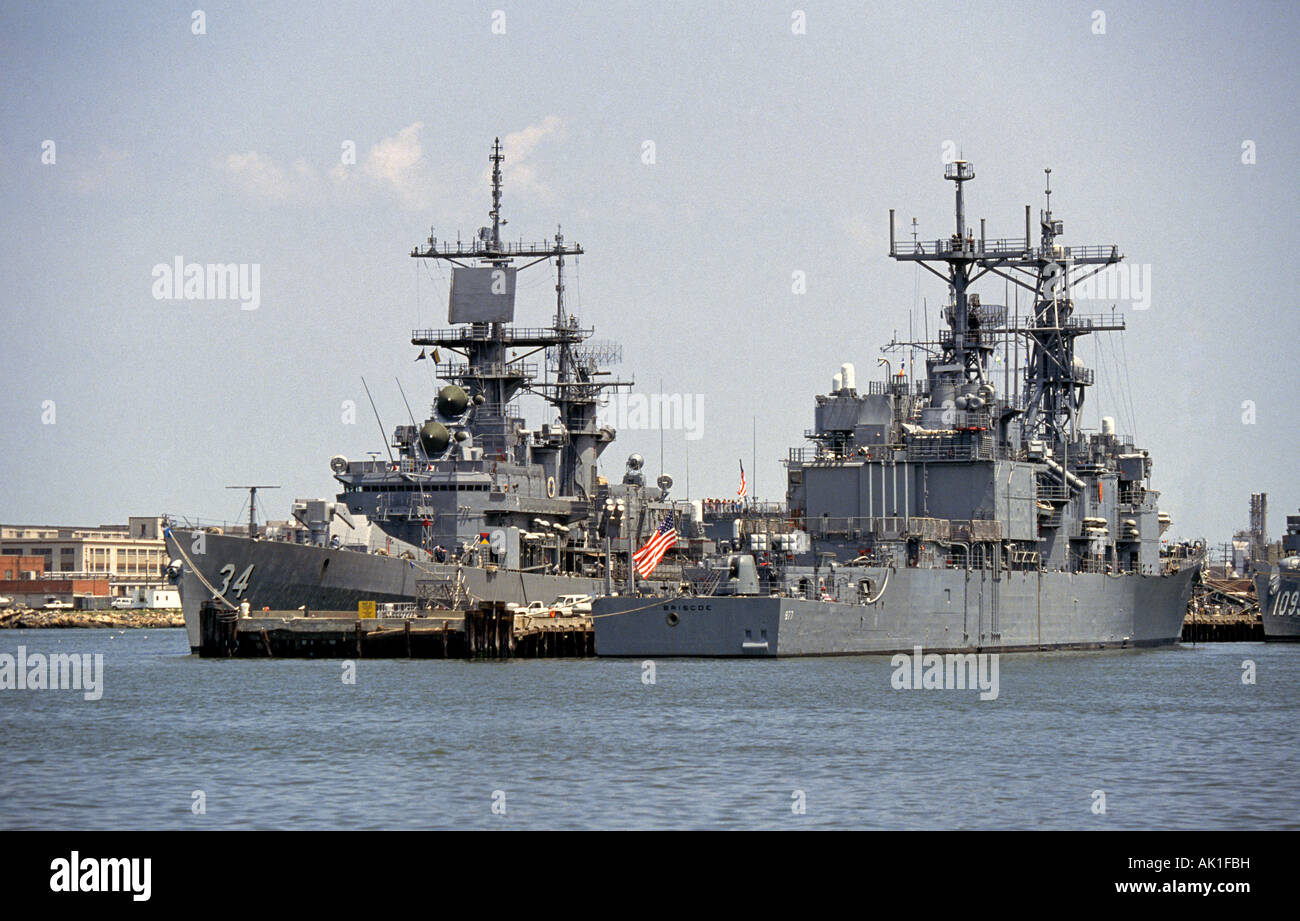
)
(121, 603)
(5, 601)
(574, 604)
(55, 605)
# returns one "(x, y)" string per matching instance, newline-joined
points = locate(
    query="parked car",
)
(5, 602)
(55, 604)
(121, 603)
(573, 604)
(533, 608)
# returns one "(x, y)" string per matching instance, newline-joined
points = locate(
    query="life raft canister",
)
(550, 487)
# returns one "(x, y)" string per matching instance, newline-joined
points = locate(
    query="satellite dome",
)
(452, 401)
(434, 437)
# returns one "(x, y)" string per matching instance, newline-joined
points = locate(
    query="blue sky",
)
(775, 152)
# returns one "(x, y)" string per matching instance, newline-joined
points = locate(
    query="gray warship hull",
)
(286, 576)
(1279, 605)
(950, 610)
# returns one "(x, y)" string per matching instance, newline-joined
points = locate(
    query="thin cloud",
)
(108, 166)
(261, 177)
(397, 163)
(866, 237)
(394, 165)
(518, 172)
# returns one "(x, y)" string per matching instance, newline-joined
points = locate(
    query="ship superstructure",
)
(472, 466)
(471, 494)
(942, 511)
(947, 466)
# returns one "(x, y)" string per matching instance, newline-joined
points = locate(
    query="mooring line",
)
(208, 585)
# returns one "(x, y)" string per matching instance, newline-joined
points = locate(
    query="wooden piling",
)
(218, 631)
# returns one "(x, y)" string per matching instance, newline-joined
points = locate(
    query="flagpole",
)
(753, 459)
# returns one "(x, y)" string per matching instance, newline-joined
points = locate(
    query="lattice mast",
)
(496, 352)
(1054, 380)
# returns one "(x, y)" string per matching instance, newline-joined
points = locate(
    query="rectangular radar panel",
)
(482, 295)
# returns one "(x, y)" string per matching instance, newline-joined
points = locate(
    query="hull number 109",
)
(1285, 603)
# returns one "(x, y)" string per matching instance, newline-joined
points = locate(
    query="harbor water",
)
(1170, 738)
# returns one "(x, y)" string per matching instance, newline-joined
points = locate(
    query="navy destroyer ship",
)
(943, 512)
(1277, 586)
(471, 504)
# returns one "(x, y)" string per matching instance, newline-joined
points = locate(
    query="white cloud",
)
(520, 175)
(262, 177)
(395, 165)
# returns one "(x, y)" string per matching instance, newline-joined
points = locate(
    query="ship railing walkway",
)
(929, 449)
(1005, 247)
(511, 335)
(504, 369)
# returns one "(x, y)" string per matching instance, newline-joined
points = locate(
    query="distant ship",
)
(939, 512)
(1278, 589)
(474, 504)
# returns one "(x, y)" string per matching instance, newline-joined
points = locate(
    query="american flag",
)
(663, 540)
(744, 487)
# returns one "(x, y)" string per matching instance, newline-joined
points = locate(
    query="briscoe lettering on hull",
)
(1035, 611)
(940, 509)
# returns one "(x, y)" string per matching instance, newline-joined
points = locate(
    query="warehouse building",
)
(118, 560)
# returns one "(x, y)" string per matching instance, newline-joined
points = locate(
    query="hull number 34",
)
(240, 585)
